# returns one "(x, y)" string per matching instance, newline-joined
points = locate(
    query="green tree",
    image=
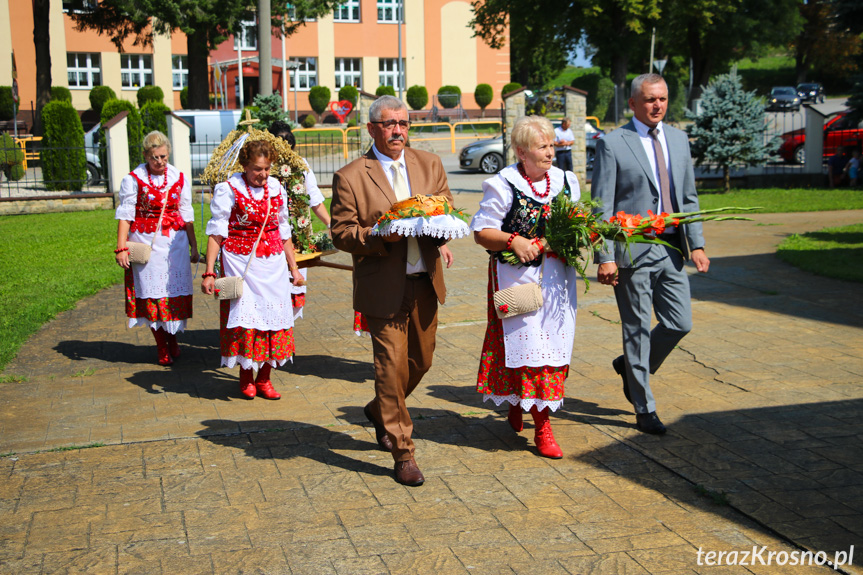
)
(206, 24)
(134, 127)
(64, 162)
(61, 93)
(417, 97)
(270, 109)
(511, 87)
(349, 93)
(385, 91)
(600, 93)
(319, 99)
(730, 129)
(150, 94)
(826, 41)
(483, 94)
(153, 117)
(99, 95)
(449, 96)
(855, 100)
(7, 104)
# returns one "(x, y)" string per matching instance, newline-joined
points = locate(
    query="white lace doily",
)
(445, 226)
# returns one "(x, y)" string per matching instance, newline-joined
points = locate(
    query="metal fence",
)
(24, 175)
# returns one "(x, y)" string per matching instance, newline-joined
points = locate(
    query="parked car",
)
(487, 155)
(839, 130)
(783, 98)
(810, 92)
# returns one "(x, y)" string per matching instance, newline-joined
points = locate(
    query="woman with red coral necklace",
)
(159, 292)
(525, 358)
(257, 328)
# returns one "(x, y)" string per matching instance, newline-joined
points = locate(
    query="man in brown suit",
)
(398, 281)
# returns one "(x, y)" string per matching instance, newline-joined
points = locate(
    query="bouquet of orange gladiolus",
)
(573, 231)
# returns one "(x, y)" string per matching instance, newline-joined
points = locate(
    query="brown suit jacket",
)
(361, 195)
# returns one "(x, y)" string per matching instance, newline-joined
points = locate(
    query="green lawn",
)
(831, 252)
(782, 200)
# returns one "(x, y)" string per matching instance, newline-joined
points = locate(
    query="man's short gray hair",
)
(376, 110)
(644, 79)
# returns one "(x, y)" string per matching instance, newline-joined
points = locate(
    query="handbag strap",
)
(161, 214)
(261, 233)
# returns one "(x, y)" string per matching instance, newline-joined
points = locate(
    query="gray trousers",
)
(658, 282)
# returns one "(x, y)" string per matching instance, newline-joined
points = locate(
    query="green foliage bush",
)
(7, 104)
(308, 121)
(134, 127)
(61, 93)
(600, 93)
(417, 97)
(449, 96)
(349, 93)
(11, 158)
(64, 161)
(184, 98)
(385, 91)
(319, 98)
(99, 95)
(511, 87)
(269, 110)
(483, 94)
(153, 117)
(150, 94)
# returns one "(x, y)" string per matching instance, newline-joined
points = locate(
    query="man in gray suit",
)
(646, 165)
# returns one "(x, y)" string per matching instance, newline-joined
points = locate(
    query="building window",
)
(389, 11)
(349, 72)
(347, 12)
(306, 74)
(292, 16)
(180, 71)
(136, 70)
(388, 72)
(247, 38)
(79, 6)
(83, 70)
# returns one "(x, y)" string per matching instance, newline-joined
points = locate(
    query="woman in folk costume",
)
(257, 327)
(156, 209)
(525, 358)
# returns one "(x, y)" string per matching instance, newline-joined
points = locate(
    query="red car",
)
(839, 131)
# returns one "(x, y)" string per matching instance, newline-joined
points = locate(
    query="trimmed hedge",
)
(64, 161)
(309, 121)
(7, 104)
(184, 98)
(134, 127)
(600, 93)
(153, 117)
(511, 87)
(349, 93)
(150, 94)
(449, 96)
(417, 97)
(385, 91)
(61, 93)
(483, 94)
(11, 158)
(319, 98)
(99, 95)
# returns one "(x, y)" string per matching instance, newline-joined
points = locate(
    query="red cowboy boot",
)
(173, 346)
(162, 346)
(247, 383)
(264, 385)
(514, 417)
(544, 438)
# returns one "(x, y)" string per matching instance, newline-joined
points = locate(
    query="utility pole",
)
(652, 40)
(401, 15)
(265, 48)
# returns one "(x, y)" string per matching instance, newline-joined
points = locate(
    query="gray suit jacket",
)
(623, 180)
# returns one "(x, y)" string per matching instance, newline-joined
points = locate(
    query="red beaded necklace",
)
(164, 183)
(529, 183)
(266, 187)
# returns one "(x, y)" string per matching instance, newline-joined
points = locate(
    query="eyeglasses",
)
(390, 124)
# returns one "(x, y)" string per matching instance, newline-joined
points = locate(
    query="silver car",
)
(487, 155)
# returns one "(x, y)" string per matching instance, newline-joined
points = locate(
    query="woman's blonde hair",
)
(155, 139)
(256, 149)
(529, 129)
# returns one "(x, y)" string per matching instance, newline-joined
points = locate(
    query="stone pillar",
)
(513, 104)
(179, 131)
(117, 141)
(575, 108)
(363, 102)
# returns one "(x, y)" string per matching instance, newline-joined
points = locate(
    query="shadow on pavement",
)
(203, 384)
(331, 367)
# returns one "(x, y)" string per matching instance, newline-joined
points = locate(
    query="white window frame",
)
(348, 11)
(179, 70)
(248, 35)
(291, 14)
(88, 6)
(137, 74)
(349, 72)
(388, 72)
(306, 74)
(90, 66)
(389, 11)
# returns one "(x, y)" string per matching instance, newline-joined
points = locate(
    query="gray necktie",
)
(664, 183)
(400, 187)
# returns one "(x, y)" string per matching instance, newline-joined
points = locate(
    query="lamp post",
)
(401, 17)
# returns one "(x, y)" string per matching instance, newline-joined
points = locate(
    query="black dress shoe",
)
(408, 473)
(380, 432)
(619, 366)
(649, 423)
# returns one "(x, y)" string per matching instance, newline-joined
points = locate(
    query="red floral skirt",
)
(361, 326)
(298, 299)
(256, 345)
(543, 383)
(162, 309)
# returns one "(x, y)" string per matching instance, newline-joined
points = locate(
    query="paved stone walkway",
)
(763, 401)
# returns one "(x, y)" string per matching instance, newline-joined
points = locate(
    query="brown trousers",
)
(403, 348)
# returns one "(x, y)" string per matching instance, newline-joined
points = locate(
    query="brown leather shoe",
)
(407, 473)
(380, 432)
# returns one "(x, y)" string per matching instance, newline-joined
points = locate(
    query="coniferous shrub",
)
(483, 94)
(417, 97)
(269, 110)
(134, 128)
(349, 93)
(511, 87)
(184, 98)
(319, 98)
(308, 121)
(7, 104)
(99, 95)
(153, 117)
(385, 91)
(64, 161)
(449, 96)
(150, 94)
(61, 93)
(11, 158)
